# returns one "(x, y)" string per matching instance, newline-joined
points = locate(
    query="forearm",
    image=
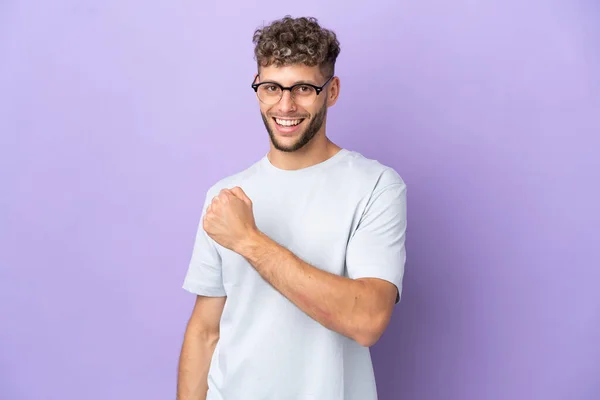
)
(194, 362)
(347, 306)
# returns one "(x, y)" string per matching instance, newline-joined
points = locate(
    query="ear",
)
(334, 91)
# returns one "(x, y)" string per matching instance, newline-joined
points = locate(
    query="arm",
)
(357, 308)
(200, 339)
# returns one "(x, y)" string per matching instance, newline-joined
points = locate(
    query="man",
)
(298, 261)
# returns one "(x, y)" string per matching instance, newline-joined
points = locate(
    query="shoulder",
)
(371, 172)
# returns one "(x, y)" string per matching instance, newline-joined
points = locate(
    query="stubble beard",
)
(309, 133)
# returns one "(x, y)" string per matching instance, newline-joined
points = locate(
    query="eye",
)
(304, 90)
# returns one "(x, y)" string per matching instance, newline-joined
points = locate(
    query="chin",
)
(290, 143)
(287, 146)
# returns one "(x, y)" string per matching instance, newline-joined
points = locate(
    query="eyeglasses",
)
(303, 94)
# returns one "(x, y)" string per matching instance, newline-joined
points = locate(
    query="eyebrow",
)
(301, 82)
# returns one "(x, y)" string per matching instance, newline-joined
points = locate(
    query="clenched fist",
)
(229, 219)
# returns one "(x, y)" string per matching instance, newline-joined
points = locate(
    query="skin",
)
(201, 337)
(319, 148)
(359, 309)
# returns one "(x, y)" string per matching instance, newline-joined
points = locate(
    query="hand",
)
(229, 219)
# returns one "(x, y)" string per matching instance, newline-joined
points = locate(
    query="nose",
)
(286, 104)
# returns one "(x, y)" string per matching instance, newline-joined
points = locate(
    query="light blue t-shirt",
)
(347, 216)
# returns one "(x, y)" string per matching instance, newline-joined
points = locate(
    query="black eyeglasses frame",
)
(318, 89)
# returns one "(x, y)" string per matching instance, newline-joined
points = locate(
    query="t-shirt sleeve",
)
(204, 275)
(377, 247)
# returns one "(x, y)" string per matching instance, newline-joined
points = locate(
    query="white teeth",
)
(288, 122)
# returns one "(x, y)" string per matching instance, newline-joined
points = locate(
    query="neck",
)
(319, 149)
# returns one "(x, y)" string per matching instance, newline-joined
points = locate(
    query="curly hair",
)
(290, 41)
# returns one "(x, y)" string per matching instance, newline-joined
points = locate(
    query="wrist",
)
(251, 246)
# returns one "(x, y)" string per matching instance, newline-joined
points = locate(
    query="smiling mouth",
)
(287, 122)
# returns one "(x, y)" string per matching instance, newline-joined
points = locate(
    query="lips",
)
(287, 126)
(288, 122)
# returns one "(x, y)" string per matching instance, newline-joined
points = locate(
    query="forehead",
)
(290, 74)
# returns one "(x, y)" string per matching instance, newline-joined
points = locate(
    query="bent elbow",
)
(369, 334)
(367, 340)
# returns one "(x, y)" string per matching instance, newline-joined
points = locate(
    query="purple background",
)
(116, 116)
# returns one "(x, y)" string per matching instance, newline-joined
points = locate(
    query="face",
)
(290, 126)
